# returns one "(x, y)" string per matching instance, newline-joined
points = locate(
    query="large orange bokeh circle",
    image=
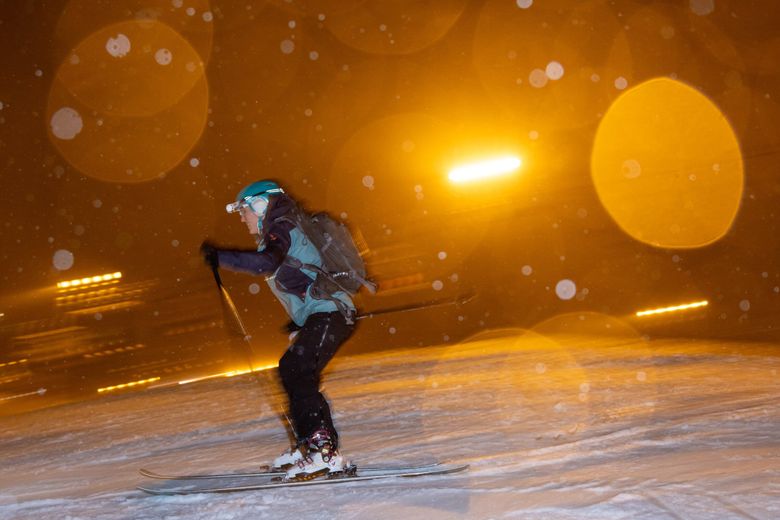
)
(667, 166)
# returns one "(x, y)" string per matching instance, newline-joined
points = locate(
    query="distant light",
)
(12, 363)
(232, 373)
(485, 169)
(88, 280)
(40, 391)
(683, 307)
(128, 385)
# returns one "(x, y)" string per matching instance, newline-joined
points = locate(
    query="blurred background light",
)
(89, 280)
(673, 308)
(484, 169)
(127, 385)
(667, 166)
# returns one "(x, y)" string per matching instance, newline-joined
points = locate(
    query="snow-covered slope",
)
(553, 427)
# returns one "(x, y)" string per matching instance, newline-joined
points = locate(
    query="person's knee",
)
(296, 367)
(288, 368)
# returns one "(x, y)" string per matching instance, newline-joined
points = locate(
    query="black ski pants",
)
(300, 368)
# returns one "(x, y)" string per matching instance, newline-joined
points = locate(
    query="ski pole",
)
(460, 300)
(229, 311)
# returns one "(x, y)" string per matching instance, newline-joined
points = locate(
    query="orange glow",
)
(667, 166)
(128, 102)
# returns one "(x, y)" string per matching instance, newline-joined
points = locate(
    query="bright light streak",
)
(40, 391)
(89, 280)
(485, 169)
(232, 373)
(686, 306)
(128, 385)
(12, 363)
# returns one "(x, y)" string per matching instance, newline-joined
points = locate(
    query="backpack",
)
(342, 268)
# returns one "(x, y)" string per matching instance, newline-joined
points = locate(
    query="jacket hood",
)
(280, 205)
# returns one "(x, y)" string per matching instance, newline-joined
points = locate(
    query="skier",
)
(323, 322)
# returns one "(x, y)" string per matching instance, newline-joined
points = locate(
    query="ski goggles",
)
(258, 203)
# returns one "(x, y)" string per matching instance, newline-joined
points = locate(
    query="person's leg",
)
(300, 368)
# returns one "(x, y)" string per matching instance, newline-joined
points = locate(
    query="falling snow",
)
(631, 169)
(163, 57)
(119, 46)
(538, 78)
(554, 70)
(613, 430)
(287, 46)
(702, 7)
(565, 289)
(66, 123)
(62, 260)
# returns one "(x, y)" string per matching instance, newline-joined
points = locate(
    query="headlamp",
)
(235, 207)
(258, 202)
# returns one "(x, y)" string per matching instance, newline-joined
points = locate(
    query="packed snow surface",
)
(553, 427)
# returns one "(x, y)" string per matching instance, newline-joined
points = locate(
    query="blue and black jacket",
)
(291, 285)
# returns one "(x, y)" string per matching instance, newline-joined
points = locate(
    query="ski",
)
(266, 471)
(263, 471)
(234, 484)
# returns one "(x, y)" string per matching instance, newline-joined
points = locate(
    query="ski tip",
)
(148, 490)
(454, 468)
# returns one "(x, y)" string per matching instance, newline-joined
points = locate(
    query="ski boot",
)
(321, 458)
(289, 458)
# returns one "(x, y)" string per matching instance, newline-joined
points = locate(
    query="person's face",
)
(249, 218)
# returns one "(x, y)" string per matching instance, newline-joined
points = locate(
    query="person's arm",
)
(257, 262)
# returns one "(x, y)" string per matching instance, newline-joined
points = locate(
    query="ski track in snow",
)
(572, 428)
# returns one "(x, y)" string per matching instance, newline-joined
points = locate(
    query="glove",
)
(209, 252)
(291, 327)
